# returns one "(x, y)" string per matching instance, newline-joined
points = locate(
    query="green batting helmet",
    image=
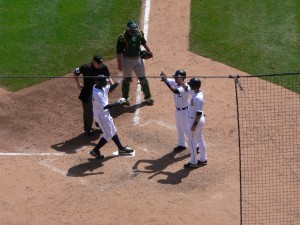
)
(132, 25)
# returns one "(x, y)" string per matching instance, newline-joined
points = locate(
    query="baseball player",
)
(181, 99)
(129, 59)
(102, 116)
(196, 122)
(89, 72)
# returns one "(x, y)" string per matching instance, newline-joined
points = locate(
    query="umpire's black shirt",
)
(88, 72)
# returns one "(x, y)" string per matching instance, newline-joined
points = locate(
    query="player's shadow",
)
(158, 165)
(117, 111)
(75, 143)
(173, 178)
(87, 168)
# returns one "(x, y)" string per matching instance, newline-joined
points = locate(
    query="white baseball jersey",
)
(181, 111)
(101, 115)
(182, 99)
(196, 138)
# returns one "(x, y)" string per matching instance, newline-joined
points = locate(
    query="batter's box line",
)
(161, 123)
(84, 182)
(30, 154)
(47, 163)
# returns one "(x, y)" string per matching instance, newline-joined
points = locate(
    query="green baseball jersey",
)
(129, 45)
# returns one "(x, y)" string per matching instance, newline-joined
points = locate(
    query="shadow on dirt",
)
(173, 178)
(157, 167)
(87, 168)
(72, 145)
(117, 111)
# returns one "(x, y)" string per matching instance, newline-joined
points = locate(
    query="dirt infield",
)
(67, 186)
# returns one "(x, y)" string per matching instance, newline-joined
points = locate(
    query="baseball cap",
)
(98, 59)
(132, 24)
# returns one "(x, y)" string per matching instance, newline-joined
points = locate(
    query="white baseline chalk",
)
(136, 117)
(29, 154)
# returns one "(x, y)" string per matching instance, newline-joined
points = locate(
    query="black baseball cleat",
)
(202, 163)
(128, 101)
(125, 150)
(149, 101)
(96, 154)
(179, 148)
(90, 133)
(190, 165)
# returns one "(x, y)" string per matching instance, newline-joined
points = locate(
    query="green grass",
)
(51, 38)
(258, 37)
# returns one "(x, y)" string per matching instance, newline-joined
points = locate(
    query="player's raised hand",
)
(119, 80)
(163, 76)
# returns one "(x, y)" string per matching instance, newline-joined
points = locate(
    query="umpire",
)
(89, 72)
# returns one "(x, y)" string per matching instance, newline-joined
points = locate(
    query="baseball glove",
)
(146, 55)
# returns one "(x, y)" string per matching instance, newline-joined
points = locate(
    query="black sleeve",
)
(113, 87)
(143, 40)
(79, 70)
(105, 70)
(176, 91)
(120, 44)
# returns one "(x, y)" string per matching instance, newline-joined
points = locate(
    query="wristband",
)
(195, 123)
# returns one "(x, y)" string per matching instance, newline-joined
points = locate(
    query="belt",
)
(180, 109)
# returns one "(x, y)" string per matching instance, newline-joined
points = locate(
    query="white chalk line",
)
(84, 182)
(47, 164)
(136, 118)
(29, 154)
(161, 123)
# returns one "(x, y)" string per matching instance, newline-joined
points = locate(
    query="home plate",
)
(124, 155)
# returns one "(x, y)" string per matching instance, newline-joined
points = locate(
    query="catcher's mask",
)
(132, 27)
(195, 83)
(180, 73)
(101, 80)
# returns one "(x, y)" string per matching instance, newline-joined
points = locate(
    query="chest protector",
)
(132, 43)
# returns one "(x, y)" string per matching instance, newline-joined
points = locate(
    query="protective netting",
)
(269, 143)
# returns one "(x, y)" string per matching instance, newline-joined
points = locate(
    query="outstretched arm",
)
(119, 102)
(165, 80)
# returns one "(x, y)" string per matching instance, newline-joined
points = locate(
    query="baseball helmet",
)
(195, 83)
(180, 73)
(101, 80)
(132, 25)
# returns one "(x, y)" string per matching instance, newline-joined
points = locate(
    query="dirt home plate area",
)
(48, 176)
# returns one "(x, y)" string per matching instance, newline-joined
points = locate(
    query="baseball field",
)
(48, 176)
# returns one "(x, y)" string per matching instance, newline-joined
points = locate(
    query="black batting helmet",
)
(180, 73)
(101, 80)
(195, 83)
